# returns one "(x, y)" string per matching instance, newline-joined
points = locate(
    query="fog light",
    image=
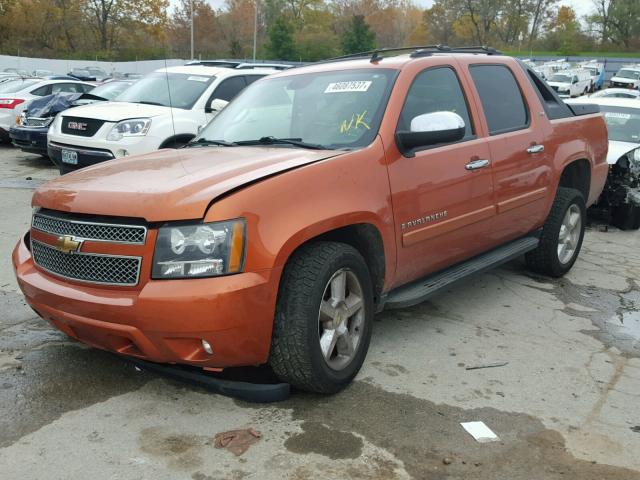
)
(207, 347)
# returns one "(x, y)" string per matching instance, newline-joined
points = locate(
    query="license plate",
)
(70, 157)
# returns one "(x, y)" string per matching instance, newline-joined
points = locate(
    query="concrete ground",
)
(566, 405)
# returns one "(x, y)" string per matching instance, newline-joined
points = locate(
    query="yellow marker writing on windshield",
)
(357, 120)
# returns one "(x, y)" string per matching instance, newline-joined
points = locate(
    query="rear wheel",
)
(324, 317)
(562, 235)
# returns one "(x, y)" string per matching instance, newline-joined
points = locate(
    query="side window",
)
(252, 78)
(42, 91)
(66, 87)
(553, 106)
(502, 101)
(229, 88)
(435, 90)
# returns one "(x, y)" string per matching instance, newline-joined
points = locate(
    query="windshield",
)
(179, 90)
(334, 109)
(16, 85)
(560, 78)
(592, 71)
(633, 74)
(110, 90)
(623, 123)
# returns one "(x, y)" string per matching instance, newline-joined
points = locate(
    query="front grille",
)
(105, 232)
(87, 267)
(84, 127)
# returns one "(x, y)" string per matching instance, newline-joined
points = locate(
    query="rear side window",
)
(435, 90)
(553, 106)
(252, 78)
(42, 91)
(66, 87)
(229, 88)
(502, 101)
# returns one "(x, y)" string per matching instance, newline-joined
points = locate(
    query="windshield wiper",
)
(282, 141)
(144, 102)
(203, 142)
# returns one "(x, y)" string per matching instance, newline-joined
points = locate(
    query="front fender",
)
(288, 209)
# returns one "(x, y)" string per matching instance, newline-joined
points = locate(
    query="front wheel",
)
(324, 316)
(562, 235)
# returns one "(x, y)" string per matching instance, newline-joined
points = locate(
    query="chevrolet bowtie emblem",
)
(68, 244)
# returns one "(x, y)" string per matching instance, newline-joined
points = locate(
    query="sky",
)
(582, 7)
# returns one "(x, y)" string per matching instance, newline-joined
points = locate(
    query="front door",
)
(443, 196)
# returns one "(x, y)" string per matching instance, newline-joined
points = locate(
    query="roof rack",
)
(418, 51)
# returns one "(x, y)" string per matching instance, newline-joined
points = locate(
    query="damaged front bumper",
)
(621, 194)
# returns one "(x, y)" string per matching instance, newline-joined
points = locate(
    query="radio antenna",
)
(173, 123)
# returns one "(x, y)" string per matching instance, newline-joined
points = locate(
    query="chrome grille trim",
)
(94, 231)
(96, 268)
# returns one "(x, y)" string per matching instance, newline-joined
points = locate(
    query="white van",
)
(570, 83)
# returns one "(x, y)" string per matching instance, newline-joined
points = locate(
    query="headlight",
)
(201, 250)
(635, 156)
(137, 127)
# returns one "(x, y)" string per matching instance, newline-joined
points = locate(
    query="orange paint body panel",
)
(429, 211)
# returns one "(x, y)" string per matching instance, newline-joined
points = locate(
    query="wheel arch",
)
(181, 139)
(577, 174)
(364, 236)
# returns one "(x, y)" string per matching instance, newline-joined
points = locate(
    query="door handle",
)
(535, 149)
(476, 164)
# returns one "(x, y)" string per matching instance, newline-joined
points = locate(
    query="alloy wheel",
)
(341, 319)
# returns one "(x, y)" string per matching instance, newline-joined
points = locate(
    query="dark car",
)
(31, 134)
(82, 74)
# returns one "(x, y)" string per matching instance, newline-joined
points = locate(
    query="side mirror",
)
(430, 129)
(216, 105)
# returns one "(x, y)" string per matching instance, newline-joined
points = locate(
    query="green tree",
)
(358, 37)
(281, 44)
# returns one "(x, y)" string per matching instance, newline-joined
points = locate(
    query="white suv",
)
(165, 109)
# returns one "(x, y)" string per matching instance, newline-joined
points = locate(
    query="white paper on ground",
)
(480, 432)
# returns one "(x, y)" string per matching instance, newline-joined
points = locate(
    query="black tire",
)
(295, 354)
(626, 217)
(545, 259)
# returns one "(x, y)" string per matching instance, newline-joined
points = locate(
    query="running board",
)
(420, 290)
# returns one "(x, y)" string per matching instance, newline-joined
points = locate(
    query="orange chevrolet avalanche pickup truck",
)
(319, 196)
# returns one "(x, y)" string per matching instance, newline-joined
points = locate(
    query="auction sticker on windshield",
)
(624, 116)
(355, 86)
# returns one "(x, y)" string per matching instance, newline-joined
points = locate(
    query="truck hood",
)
(618, 149)
(623, 80)
(117, 111)
(168, 184)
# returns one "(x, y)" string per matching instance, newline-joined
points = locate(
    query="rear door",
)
(443, 206)
(515, 121)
